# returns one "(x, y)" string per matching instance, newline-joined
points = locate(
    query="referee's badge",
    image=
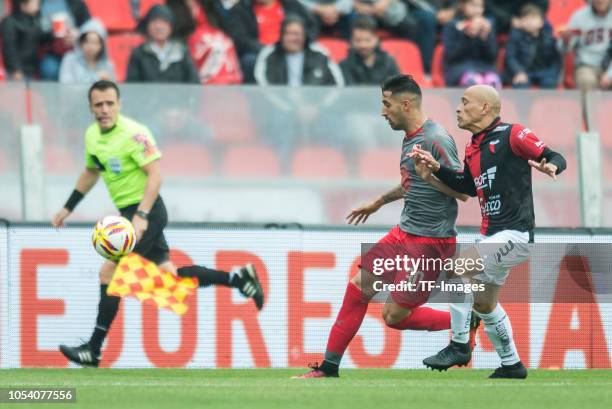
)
(114, 165)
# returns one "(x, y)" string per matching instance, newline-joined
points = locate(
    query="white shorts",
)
(501, 252)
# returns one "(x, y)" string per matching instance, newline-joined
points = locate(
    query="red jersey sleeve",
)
(524, 143)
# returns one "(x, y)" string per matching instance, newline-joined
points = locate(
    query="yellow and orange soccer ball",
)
(114, 237)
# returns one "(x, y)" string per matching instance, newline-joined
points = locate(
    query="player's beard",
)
(394, 125)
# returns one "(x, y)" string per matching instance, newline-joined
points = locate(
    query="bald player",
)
(497, 169)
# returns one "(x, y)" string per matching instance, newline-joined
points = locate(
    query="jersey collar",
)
(478, 135)
(415, 132)
(113, 129)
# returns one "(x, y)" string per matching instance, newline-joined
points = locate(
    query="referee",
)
(124, 152)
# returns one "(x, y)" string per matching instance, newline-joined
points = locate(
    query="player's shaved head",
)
(485, 94)
(479, 107)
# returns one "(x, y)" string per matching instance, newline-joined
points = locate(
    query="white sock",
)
(461, 314)
(499, 331)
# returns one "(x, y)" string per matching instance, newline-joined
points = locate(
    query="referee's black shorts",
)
(153, 245)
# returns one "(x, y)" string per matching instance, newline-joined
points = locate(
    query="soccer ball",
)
(114, 237)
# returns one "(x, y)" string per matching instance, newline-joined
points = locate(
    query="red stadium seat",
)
(437, 67)
(377, 164)
(559, 208)
(318, 162)
(241, 127)
(384, 34)
(561, 129)
(115, 14)
(607, 168)
(120, 48)
(251, 161)
(569, 67)
(8, 6)
(408, 58)
(186, 159)
(59, 160)
(509, 113)
(501, 58)
(337, 47)
(560, 11)
(442, 110)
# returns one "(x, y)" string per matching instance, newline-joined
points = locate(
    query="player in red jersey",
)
(497, 169)
(427, 227)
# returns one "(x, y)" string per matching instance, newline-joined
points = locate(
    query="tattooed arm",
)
(361, 214)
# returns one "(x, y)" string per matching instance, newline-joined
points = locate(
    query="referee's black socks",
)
(107, 310)
(208, 276)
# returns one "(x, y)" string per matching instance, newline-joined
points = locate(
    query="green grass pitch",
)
(357, 388)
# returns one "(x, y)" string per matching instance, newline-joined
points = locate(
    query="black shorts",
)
(153, 245)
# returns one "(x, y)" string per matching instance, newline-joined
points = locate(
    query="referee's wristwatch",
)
(142, 214)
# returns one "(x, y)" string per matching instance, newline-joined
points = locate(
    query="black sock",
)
(461, 346)
(329, 368)
(208, 276)
(107, 310)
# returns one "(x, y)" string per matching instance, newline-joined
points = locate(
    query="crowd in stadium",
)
(519, 43)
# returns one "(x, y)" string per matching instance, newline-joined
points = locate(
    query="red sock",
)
(348, 321)
(425, 318)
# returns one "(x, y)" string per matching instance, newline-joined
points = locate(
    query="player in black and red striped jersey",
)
(497, 169)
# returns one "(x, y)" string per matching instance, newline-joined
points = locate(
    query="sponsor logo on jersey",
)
(414, 148)
(523, 133)
(114, 165)
(149, 148)
(491, 206)
(485, 178)
(500, 128)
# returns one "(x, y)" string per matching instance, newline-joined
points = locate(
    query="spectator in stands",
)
(532, 57)
(588, 35)
(187, 14)
(22, 38)
(200, 24)
(160, 58)
(254, 24)
(445, 10)
(505, 12)
(63, 18)
(404, 18)
(332, 15)
(470, 47)
(88, 62)
(294, 61)
(366, 63)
